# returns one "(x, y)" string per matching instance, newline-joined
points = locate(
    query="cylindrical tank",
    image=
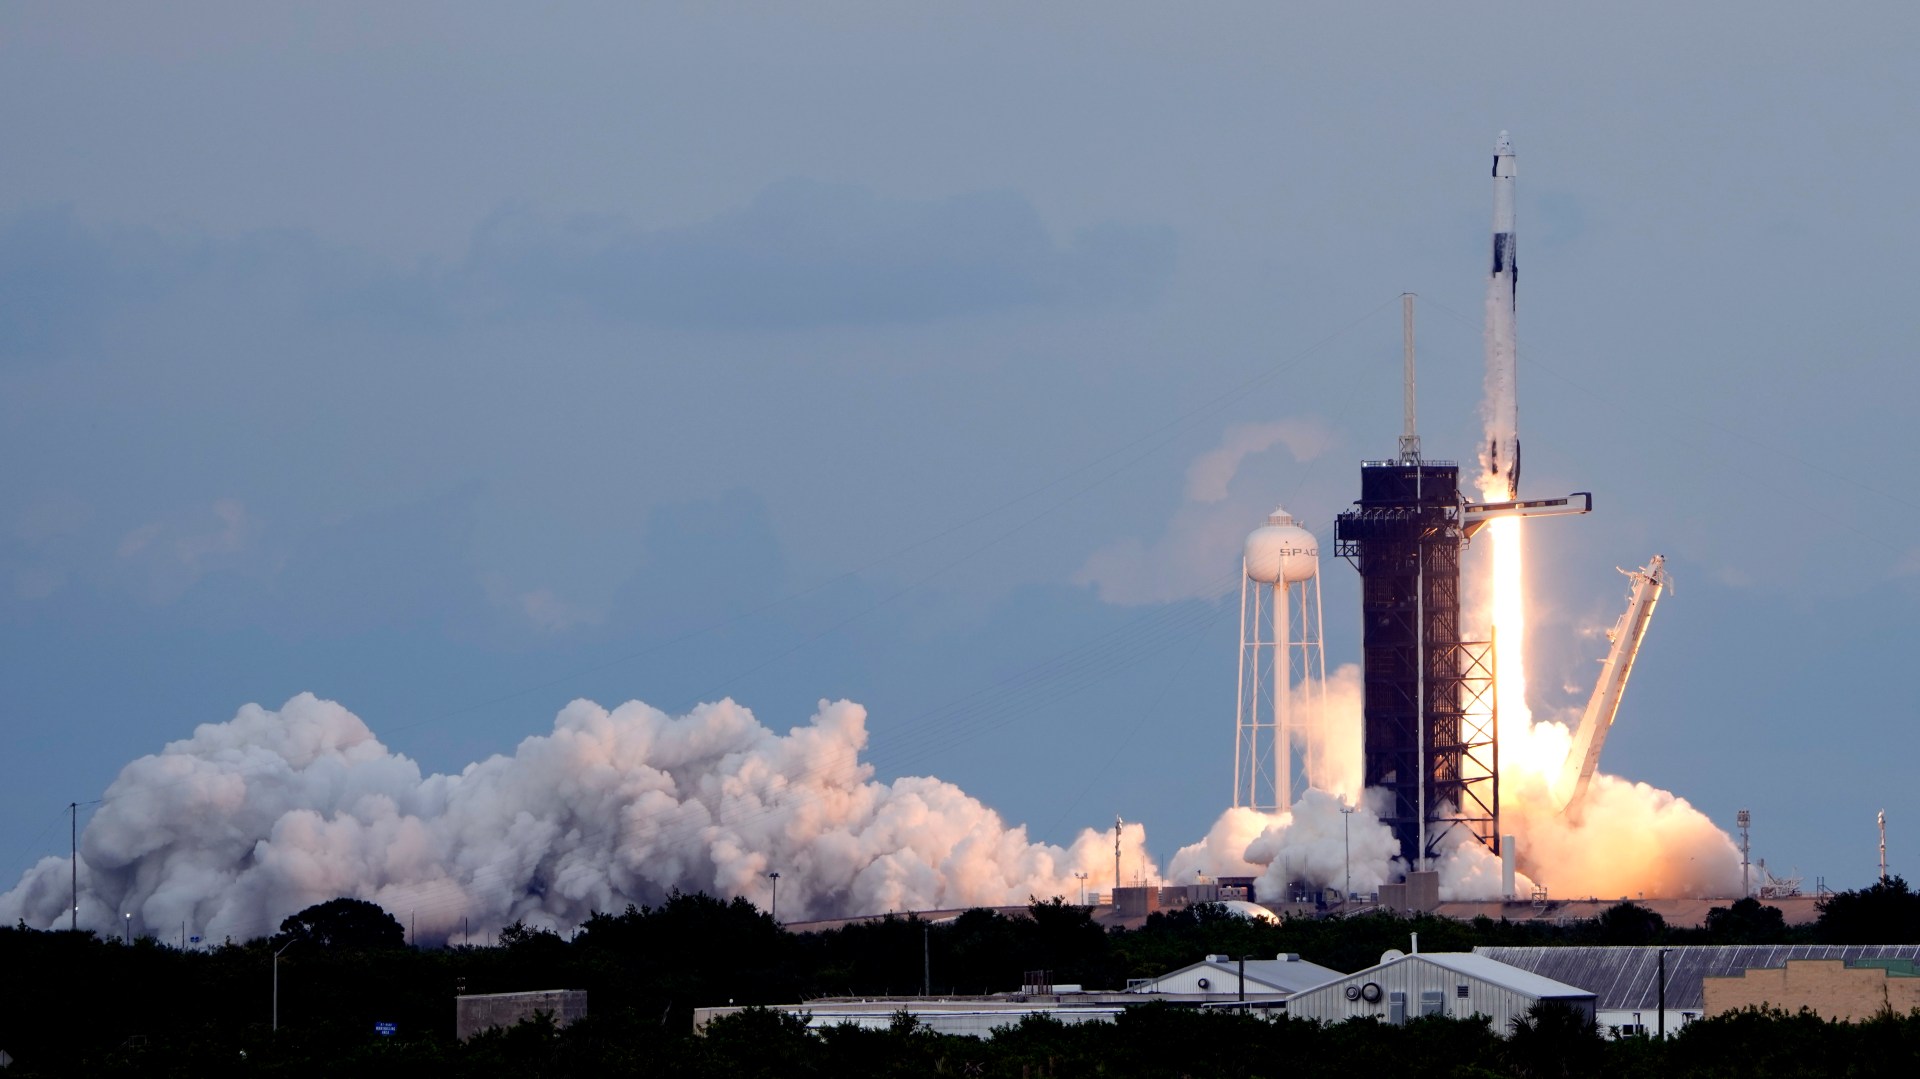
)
(1281, 551)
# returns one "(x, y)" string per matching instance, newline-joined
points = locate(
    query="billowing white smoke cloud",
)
(1205, 534)
(1632, 839)
(1319, 843)
(1339, 762)
(250, 820)
(1223, 851)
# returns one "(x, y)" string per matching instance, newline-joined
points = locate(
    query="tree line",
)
(74, 1003)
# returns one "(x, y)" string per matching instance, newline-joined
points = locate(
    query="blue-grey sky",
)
(454, 361)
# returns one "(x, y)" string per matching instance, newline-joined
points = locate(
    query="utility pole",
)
(73, 859)
(276, 983)
(1243, 983)
(1346, 841)
(775, 912)
(926, 960)
(1663, 994)
(1117, 822)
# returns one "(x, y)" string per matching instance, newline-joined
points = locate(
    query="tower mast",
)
(1409, 438)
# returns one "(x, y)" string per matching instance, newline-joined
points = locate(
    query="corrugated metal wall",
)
(1628, 978)
(1412, 977)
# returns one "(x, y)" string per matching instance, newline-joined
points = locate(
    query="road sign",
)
(385, 1030)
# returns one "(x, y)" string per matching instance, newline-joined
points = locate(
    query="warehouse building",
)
(1218, 978)
(1830, 988)
(1626, 980)
(1455, 984)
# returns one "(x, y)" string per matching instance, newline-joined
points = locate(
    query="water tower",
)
(1280, 653)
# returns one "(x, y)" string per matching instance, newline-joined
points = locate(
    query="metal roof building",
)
(1217, 978)
(1456, 984)
(1625, 980)
(976, 1017)
(1213, 982)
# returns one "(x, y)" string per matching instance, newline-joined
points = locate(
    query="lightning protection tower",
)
(1282, 665)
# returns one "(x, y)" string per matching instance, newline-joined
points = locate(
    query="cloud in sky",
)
(805, 253)
(68, 281)
(1193, 557)
(165, 558)
(1211, 473)
(800, 254)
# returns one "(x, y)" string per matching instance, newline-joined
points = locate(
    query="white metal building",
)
(1217, 978)
(1457, 984)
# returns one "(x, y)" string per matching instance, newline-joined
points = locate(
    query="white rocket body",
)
(1500, 460)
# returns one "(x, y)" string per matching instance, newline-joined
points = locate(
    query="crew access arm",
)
(1584, 758)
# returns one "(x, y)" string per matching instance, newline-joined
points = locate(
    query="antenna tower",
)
(1883, 846)
(1745, 820)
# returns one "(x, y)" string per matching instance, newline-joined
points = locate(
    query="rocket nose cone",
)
(1502, 146)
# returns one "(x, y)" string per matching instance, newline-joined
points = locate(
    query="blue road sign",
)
(385, 1030)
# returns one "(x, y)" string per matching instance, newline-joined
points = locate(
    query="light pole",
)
(129, 929)
(276, 983)
(775, 912)
(1346, 842)
(1663, 994)
(1083, 888)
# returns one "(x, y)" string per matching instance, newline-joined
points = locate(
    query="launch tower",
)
(1430, 714)
(1428, 728)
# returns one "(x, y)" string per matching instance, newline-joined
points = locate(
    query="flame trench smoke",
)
(1633, 839)
(251, 820)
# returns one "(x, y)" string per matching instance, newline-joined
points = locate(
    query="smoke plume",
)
(253, 819)
(1632, 839)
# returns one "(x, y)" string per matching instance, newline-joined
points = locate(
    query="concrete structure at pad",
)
(1454, 984)
(1829, 987)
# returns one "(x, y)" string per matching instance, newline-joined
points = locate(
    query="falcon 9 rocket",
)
(1500, 460)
